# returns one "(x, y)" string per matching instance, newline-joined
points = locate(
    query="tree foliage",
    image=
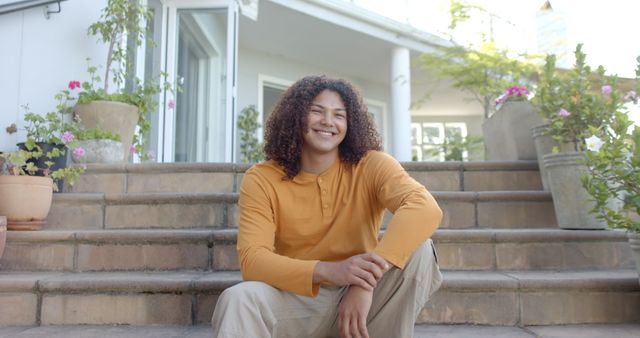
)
(484, 73)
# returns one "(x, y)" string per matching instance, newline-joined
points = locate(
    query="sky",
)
(608, 29)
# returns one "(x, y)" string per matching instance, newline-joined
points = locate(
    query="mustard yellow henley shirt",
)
(287, 226)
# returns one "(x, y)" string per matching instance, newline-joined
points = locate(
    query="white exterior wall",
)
(40, 56)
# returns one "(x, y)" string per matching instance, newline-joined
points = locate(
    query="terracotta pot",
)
(26, 201)
(116, 117)
(3, 233)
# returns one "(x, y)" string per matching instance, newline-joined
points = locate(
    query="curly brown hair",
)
(287, 122)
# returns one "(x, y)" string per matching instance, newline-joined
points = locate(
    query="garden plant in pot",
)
(123, 111)
(613, 162)
(573, 103)
(29, 175)
(100, 146)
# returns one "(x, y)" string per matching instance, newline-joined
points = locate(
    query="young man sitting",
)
(310, 218)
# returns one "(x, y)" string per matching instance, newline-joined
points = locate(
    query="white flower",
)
(594, 143)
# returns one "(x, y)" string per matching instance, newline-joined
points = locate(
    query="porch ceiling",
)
(292, 35)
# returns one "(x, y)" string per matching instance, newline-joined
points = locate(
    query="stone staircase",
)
(155, 244)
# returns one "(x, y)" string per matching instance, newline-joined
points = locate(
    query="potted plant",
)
(28, 197)
(507, 132)
(100, 146)
(573, 103)
(613, 164)
(250, 146)
(122, 110)
(27, 175)
(48, 139)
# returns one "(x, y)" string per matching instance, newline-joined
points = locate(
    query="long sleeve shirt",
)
(288, 226)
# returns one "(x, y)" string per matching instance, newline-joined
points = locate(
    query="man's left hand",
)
(353, 311)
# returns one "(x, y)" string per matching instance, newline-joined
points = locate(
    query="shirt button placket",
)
(323, 197)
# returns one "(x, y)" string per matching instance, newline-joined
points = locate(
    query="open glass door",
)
(200, 58)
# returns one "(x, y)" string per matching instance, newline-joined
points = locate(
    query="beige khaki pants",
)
(257, 310)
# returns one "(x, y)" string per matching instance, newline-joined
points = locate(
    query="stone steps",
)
(462, 209)
(214, 250)
(188, 298)
(226, 177)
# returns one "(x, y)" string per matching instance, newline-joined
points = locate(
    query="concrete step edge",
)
(160, 198)
(230, 235)
(175, 282)
(155, 168)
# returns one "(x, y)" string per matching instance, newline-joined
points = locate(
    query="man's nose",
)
(327, 118)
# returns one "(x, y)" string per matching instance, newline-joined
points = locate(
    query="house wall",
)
(40, 56)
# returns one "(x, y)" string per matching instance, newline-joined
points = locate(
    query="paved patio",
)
(422, 331)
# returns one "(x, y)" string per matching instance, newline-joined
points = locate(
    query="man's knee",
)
(423, 262)
(243, 294)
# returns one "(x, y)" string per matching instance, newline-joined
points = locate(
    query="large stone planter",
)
(26, 201)
(100, 151)
(571, 200)
(116, 117)
(507, 133)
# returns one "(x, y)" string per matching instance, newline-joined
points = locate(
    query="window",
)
(427, 139)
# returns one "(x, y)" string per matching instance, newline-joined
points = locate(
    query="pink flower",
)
(631, 96)
(606, 89)
(78, 152)
(133, 149)
(67, 137)
(563, 113)
(74, 84)
(171, 104)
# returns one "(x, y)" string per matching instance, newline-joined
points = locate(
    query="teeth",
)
(324, 132)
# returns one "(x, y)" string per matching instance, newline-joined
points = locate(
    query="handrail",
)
(26, 4)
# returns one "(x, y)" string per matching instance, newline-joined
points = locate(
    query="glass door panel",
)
(200, 117)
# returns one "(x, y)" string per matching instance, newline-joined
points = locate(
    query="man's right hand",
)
(364, 270)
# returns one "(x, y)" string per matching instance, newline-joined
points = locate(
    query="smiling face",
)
(326, 124)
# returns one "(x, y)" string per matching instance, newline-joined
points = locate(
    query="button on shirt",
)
(287, 226)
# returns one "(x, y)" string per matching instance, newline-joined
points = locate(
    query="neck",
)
(317, 163)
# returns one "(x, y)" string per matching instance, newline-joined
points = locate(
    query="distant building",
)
(552, 34)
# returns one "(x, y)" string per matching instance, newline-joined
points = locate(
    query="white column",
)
(400, 102)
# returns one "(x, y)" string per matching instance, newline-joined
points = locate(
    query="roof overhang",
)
(334, 35)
